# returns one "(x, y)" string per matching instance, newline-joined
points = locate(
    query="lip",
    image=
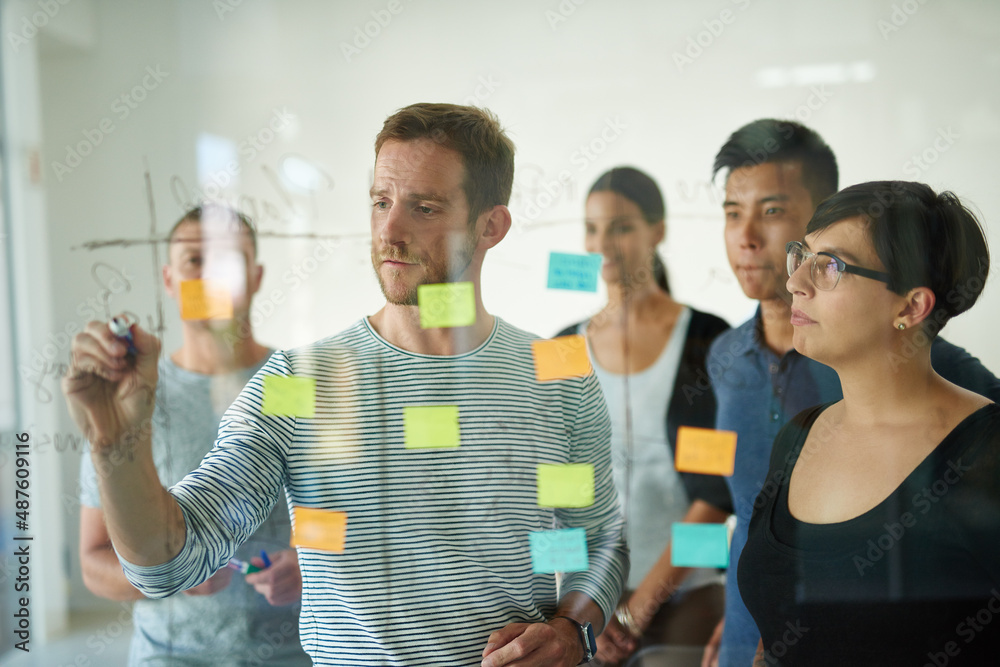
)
(800, 319)
(393, 262)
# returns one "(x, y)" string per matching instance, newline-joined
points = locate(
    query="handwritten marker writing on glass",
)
(242, 566)
(121, 328)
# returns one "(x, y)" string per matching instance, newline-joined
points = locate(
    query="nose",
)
(800, 281)
(392, 225)
(748, 232)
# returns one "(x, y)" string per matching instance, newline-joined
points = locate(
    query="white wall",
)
(555, 85)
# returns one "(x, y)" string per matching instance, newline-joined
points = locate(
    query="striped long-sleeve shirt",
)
(437, 552)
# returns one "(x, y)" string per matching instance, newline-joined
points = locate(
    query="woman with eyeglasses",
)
(877, 538)
(648, 352)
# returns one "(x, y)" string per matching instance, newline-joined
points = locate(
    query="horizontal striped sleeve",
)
(436, 550)
(229, 495)
(606, 551)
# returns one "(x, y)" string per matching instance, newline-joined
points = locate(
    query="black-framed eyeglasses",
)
(826, 269)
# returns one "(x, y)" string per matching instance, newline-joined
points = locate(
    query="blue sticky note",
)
(575, 272)
(699, 545)
(558, 551)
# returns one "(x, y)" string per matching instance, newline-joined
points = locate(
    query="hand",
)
(711, 656)
(281, 583)
(615, 644)
(552, 644)
(214, 584)
(110, 396)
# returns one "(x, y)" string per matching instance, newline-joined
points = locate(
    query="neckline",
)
(932, 459)
(441, 357)
(683, 321)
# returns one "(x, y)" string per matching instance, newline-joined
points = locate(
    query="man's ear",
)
(168, 282)
(256, 277)
(917, 307)
(497, 225)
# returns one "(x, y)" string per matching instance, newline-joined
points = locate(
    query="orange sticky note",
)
(205, 300)
(705, 450)
(563, 357)
(319, 529)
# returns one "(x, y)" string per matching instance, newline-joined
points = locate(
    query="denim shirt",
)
(757, 393)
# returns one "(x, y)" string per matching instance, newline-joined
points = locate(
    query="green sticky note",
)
(447, 305)
(699, 545)
(289, 396)
(558, 551)
(430, 426)
(565, 485)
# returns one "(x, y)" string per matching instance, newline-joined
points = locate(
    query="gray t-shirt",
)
(235, 627)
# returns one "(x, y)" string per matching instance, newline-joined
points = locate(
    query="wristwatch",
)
(587, 638)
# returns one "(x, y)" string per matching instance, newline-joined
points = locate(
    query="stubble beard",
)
(434, 271)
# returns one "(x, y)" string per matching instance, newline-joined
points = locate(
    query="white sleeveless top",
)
(650, 490)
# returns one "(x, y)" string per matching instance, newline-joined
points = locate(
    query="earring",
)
(900, 326)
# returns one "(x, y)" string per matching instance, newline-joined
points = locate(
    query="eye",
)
(827, 266)
(381, 205)
(773, 210)
(426, 210)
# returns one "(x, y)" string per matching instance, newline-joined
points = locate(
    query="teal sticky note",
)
(699, 545)
(558, 550)
(575, 272)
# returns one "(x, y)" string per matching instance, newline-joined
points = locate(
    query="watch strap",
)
(587, 639)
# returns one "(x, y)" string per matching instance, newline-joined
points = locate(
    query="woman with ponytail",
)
(649, 352)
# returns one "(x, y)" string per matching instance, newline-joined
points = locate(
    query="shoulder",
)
(956, 365)
(735, 340)
(703, 323)
(312, 359)
(793, 434)
(570, 330)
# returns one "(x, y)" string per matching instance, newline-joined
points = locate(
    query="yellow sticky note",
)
(205, 300)
(705, 450)
(289, 396)
(319, 529)
(565, 485)
(563, 357)
(430, 426)
(447, 305)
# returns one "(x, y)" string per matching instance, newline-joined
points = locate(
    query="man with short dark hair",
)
(777, 172)
(425, 440)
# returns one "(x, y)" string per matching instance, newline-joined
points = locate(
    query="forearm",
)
(581, 608)
(103, 576)
(664, 578)
(144, 521)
